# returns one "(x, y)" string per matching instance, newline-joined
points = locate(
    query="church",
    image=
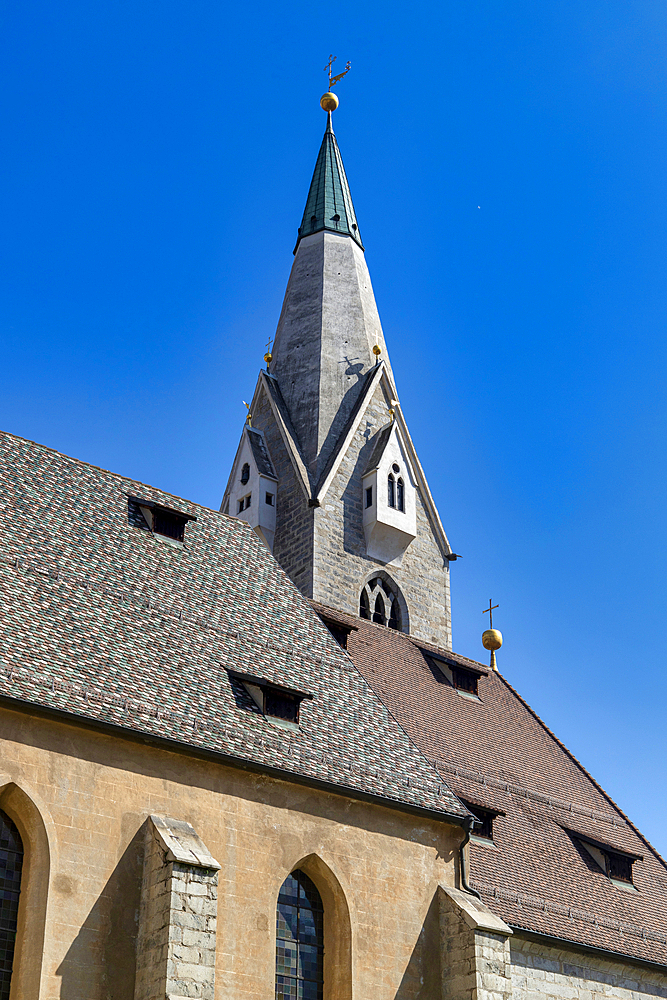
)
(241, 759)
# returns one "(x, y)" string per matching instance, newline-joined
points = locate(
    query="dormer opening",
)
(245, 473)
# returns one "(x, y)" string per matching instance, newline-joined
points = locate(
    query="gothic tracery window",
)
(11, 863)
(379, 602)
(391, 490)
(299, 940)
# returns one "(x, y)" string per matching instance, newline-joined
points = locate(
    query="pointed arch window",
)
(391, 490)
(299, 940)
(245, 473)
(379, 615)
(11, 864)
(379, 602)
(400, 495)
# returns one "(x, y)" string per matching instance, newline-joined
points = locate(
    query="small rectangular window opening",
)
(465, 680)
(619, 866)
(369, 496)
(616, 865)
(247, 500)
(241, 505)
(280, 705)
(244, 503)
(166, 523)
(163, 521)
(269, 499)
(484, 826)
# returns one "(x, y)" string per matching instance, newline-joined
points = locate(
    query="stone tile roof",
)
(109, 622)
(260, 454)
(497, 753)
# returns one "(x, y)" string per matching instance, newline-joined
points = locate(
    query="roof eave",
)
(230, 760)
(327, 229)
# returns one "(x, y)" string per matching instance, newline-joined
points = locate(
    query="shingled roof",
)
(102, 619)
(496, 753)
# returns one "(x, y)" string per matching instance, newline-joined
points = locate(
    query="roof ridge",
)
(583, 770)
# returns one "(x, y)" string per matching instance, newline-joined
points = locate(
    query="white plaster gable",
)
(255, 499)
(389, 527)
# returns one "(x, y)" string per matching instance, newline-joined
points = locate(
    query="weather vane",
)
(249, 417)
(329, 101)
(492, 639)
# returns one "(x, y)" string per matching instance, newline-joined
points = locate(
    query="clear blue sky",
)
(507, 164)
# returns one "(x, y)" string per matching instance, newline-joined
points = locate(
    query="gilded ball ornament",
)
(492, 638)
(328, 102)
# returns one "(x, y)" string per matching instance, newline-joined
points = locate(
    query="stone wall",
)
(293, 541)
(341, 565)
(178, 914)
(475, 951)
(550, 973)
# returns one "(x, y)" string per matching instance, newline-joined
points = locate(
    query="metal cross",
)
(268, 345)
(490, 609)
(327, 69)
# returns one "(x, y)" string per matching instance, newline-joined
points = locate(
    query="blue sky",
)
(507, 164)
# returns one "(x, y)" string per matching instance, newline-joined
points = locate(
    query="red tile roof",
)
(497, 753)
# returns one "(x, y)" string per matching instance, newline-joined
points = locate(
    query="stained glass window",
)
(299, 940)
(11, 862)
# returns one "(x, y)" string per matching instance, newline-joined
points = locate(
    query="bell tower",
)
(352, 519)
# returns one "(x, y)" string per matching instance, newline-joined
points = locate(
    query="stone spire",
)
(329, 323)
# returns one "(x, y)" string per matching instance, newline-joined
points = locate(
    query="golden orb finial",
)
(492, 639)
(377, 351)
(329, 102)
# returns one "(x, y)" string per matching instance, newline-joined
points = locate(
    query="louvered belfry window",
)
(11, 863)
(299, 940)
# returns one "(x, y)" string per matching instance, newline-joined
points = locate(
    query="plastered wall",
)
(377, 869)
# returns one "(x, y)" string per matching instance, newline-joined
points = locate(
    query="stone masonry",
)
(323, 549)
(177, 920)
(474, 947)
(563, 973)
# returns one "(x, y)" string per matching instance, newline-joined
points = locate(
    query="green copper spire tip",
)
(329, 203)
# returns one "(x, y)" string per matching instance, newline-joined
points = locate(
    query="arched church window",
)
(391, 490)
(11, 863)
(299, 939)
(245, 473)
(379, 602)
(378, 614)
(400, 495)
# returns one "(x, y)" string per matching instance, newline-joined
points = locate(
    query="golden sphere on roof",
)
(377, 350)
(492, 638)
(328, 102)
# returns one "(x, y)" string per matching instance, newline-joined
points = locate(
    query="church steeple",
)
(329, 325)
(328, 474)
(329, 203)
